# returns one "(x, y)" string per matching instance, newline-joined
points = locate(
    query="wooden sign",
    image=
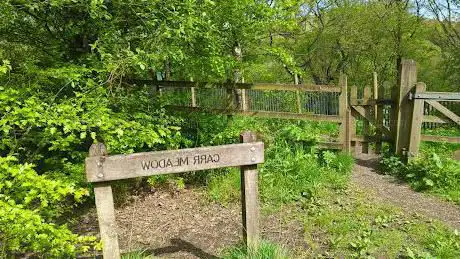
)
(107, 168)
(101, 169)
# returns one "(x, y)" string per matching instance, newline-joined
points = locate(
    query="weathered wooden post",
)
(105, 207)
(416, 123)
(379, 95)
(249, 197)
(345, 114)
(354, 100)
(403, 106)
(366, 128)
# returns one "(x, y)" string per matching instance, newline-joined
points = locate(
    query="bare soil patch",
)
(187, 225)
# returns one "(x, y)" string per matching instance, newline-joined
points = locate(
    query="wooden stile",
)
(105, 208)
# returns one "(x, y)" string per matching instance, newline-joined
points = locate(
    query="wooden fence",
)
(381, 113)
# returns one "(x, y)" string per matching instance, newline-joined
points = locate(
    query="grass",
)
(346, 223)
(265, 250)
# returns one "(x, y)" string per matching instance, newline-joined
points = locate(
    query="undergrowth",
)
(432, 171)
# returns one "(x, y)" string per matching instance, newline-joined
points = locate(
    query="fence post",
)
(416, 123)
(249, 198)
(354, 100)
(345, 114)
(379, 95)
(297, 93)
(366, 131)
(403, 108)
(105, 209)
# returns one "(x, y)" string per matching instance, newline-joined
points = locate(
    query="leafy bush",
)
(294, 169)
(29, 206)
(428, 172)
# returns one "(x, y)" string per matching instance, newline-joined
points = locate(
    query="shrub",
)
(29, 206)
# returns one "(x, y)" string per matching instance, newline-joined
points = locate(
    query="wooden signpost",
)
(101, 169)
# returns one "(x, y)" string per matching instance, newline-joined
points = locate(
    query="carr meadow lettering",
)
(108, 168)
(180, 161)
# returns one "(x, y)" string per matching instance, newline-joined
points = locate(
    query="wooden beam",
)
(448, 139)
(104, 205)
(448, 113)
(263, 114)
(108, 168)
(438, 96)
(416, 123)
(344, 114)
(366, 126)
(407, 81)
(249, 196)
(231, 85)
(435, 119)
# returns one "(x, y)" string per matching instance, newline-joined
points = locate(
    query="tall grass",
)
(265, 250)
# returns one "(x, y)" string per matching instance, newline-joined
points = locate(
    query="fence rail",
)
(400, 115)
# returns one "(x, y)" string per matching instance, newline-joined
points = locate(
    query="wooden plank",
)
(379, 120)
(360, 110)
(438, 96)
(371, 102)
(360, 138)
(407, 81)
(366, 127)
(416, 123)
(249, 197)
(445, 111)
(354, 99)
(435, 119)
(263, 114)
(104, 206)
(231, 85)
(329, 145)
(344, 114)
(107, 168)
(448, 139)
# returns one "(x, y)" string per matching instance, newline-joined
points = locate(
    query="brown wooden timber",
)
(366, 126)
(448, 139)
(445, 111)
(407, 81)
(344, 114)
(416, 123)
(264, 114)
(435, 119)
(249, 196)
(379, 120)
(231, 85)
(104, 205)
(354, 99)
(118, 167)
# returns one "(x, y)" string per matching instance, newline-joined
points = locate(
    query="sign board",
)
(108, 168)
(102, 168)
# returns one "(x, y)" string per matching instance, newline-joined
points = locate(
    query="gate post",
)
(416, 123)
(345, 115)
(403, 107)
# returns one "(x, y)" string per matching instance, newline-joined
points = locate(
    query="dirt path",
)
(186, 225)
(388, 189)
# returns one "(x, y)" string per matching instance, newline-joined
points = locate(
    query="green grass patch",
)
(348, 224)
(265, 250)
